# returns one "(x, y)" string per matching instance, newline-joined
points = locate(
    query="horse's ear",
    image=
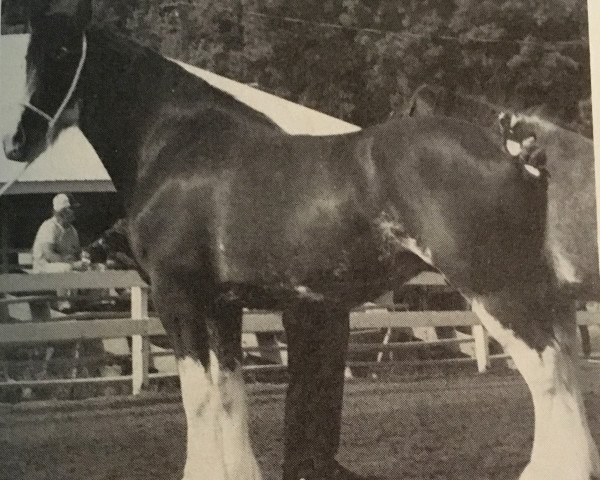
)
(80, 11)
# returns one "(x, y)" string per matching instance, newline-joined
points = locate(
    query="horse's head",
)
(55, 59)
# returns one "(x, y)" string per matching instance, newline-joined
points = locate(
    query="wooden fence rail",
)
(140, 325)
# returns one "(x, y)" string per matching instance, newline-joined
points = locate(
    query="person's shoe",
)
(62, 306)
(340, 472)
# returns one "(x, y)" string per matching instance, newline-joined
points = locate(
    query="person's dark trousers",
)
(317, 338)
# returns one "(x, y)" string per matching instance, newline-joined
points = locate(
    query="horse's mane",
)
(197, 87)
(478, 109)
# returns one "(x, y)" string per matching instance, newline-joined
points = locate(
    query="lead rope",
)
(51, 120)
(11, 182)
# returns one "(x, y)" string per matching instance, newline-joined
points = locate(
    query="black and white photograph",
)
(299, 240)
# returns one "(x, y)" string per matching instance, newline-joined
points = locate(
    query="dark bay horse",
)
(225, 211)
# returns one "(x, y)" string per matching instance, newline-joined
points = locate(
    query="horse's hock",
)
(553, 379)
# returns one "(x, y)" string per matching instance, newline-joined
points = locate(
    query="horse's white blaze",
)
(30, 82)
(540, 123)
(218, 443)
(364, 153)
(215, 374)
(305, 292)
(563, 448)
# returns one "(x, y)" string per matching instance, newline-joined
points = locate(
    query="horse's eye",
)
(60, 52)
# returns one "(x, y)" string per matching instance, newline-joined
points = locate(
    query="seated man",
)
(56, 247)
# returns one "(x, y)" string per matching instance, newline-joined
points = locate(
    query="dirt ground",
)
(459, 427)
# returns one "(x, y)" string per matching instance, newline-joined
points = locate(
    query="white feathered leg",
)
(563, 448)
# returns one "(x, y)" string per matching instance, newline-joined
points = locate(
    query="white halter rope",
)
(52, 119)
(11, 182)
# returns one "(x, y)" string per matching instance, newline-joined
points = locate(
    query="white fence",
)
(37, 289)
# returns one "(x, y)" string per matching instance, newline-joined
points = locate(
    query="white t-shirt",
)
(64, 241)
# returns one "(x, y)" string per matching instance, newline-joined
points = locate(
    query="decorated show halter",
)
(54, 118)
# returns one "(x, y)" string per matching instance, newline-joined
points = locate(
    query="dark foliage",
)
(360, 60)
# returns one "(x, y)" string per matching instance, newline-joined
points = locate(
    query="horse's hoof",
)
(342, 473)
(338, 472)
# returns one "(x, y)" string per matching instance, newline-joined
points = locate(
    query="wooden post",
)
(268, 341)
(482, 347)
(4, 234)
(593, 17)
(140, 346)
(386, 340)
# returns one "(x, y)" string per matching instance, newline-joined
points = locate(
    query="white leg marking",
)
(204, 446)
(563, 448)
(218, 438)
(240, 461)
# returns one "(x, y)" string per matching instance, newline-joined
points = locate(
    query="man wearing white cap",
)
(56, 247)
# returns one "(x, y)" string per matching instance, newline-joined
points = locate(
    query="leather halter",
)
(53, 119)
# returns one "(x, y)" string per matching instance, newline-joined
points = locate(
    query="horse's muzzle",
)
(14, 146)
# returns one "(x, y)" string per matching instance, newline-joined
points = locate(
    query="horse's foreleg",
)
(204, 456)
(225, 329)
(218, 439)
(207, 346)
(563, 448)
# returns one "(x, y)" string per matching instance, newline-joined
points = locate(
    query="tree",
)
(360, 60)
(13, 16)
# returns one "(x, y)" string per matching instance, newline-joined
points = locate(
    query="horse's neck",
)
(113, 107)
(125, 89)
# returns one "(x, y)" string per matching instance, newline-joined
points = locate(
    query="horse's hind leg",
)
(206, 339)
(542, 345)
